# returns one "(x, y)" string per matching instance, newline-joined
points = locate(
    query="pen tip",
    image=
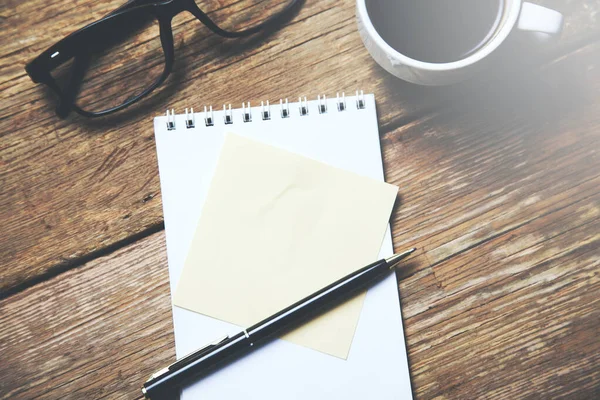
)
(396, 258)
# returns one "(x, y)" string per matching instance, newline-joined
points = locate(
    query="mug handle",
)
(542, 23)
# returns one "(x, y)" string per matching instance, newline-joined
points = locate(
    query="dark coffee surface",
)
(435, 30)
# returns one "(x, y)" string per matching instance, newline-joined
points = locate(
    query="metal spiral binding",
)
(171, 120)
(266, 114)
(265, 110)
(341, 104)
(360, 100)
(303, 106)
(285, 112)
(190, 121)
(322, 105)
(227, 115)
(209, 120)
(246, 114)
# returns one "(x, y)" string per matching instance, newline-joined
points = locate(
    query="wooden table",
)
(499, 189)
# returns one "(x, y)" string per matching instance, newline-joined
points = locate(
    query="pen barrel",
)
(206, 361)
(318, 303)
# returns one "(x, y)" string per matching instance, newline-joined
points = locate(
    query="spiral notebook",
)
(342, 132)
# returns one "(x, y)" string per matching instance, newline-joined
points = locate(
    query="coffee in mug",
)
(435, 31)
(437, 42)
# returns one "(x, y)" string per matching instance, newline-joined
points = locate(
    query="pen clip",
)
(187, 358)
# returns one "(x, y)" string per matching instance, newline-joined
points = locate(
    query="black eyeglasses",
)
(114, 62)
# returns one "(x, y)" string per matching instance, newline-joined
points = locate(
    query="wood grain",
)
(514, 318)
(479, 168)
(503, 198)
(499, 189)
(93, 332)
(501, 301)
(73, 189)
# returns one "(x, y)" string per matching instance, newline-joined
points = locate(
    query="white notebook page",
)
(377, 366)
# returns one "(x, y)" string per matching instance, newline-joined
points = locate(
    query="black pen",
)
(167, 383)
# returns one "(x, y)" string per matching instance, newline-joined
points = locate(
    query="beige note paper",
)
(277, 227)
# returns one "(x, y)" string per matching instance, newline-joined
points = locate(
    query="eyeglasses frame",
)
(75, 46)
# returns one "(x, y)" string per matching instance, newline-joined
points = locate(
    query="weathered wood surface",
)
(95, 331)
(504, 299)
(516, 317)
(500, 189)
(75, 188)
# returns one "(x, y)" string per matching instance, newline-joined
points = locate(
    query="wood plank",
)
(501, 300)
(479, 169)
(501, 196)
(95, 331)
(73, 188)
(515, 317)
(504, 200)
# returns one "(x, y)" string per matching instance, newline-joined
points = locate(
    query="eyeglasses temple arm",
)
(68, 95)
(130, 4)
(269, 23)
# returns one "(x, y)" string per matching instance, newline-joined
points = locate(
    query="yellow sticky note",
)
(277, 227)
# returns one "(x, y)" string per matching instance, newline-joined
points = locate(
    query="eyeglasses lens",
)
(125, 60)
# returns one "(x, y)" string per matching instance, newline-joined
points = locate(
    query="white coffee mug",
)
(541, 23)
